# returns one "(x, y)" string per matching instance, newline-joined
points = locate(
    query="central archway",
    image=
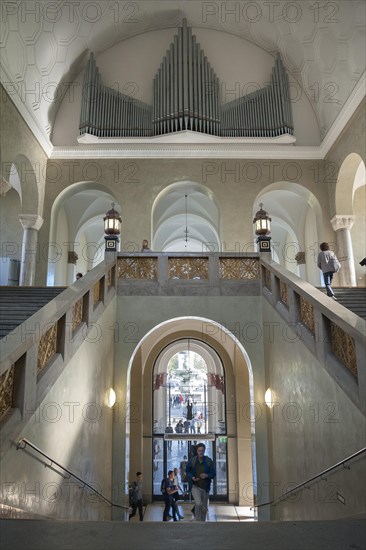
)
(186, 218)
(238, 431)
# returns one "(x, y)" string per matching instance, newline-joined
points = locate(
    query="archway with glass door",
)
(188, 408)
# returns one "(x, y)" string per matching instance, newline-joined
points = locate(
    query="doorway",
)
(171, 452)
(215, 395)
(189, 407)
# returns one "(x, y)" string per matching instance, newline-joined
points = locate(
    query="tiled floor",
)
(217, 512)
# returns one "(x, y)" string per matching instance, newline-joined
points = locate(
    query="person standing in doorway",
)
(169, 430)
(200, 471)
(136, 497)
(179, 430)
(183, 474)
(176, 495)
(329, 264)
(169, 489)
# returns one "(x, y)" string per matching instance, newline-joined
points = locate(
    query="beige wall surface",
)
(312, 426)
(73, 426)
(352, 140)
(18, 144)
(358, 233)
(10, 226)
(135, 184)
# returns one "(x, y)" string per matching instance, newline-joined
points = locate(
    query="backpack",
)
(132, 493)
(162, 487)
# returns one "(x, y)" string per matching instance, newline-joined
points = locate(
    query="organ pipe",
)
(186, 97)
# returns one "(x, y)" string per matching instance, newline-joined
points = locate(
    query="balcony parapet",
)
(164, 273)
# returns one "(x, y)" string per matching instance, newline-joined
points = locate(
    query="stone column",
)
(31, 224)
(342, 226)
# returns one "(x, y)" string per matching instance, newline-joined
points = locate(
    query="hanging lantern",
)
(112, 229)
(112, 222)
(262, 223)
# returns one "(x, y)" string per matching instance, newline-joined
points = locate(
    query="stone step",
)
(37, 534)
(19, 303)
(353, 299)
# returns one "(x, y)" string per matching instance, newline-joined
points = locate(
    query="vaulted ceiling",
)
(45, 44)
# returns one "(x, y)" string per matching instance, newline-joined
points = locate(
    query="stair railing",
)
(22, 444)
(310, 480)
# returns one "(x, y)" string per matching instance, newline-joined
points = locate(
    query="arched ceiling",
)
(45, 44)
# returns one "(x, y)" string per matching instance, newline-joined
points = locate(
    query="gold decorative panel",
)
(307, 314)
(239, 268)
(96, 293)
(47, 347)
(77, 314)
(188, 268)
(283, 293)
(343, 347)
(6, 391)
(109, 279)
(267, 279)
(138, 268)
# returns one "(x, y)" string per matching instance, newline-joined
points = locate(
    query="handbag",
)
(334, 264)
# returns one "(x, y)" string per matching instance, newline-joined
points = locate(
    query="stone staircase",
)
(353, 299)
(17, 304)
(341, 534)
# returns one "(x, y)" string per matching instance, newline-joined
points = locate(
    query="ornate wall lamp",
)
(262, 229)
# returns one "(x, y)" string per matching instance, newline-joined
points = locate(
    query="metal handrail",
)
(304, 483)
(26, 442)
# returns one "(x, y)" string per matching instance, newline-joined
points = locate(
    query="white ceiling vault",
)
(45, 44)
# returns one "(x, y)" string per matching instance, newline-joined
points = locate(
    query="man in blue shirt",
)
(200, 471)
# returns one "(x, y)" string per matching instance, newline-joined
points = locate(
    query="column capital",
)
(4, 186)
(342, 221)
(31, 221)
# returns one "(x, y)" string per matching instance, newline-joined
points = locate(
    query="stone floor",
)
(217, 512)
(228, 528)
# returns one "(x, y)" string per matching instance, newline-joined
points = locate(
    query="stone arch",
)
(75, 213)
(14, 180)
(24, 177)
(239, 390)
(186, 205)
(214, 416)
(292, 207)
(344, 191)
(11, 207)
(349, 221)
(345, 187)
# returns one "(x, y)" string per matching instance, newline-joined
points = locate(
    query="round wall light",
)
(111, 397)
(268, 398)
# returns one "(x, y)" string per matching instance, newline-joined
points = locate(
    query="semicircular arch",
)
(345, 187)
(192, 210)
(238, 376)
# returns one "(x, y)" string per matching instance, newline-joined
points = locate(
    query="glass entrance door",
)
(175, 453)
